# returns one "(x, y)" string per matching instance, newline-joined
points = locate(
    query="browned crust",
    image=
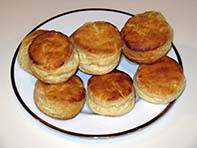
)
(50, 50)
(161, 79)
(146, 57)
(110, 87)
(23, 56)
(62, 100)
(69, 91)
(97, 38)
(146, 31)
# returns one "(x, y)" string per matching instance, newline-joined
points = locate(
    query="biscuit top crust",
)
(110, 87)
(50, 50)
(70, 91)
(98, 38)
(30, 37)
(146, 31)
(162, 78)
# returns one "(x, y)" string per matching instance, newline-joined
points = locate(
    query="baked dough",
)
(147, 37)
(61, 101)
(99, 46)
(23, 56)
(160, 82)
(52, 57)
(111, 94)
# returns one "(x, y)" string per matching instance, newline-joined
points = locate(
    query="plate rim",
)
(96, 136)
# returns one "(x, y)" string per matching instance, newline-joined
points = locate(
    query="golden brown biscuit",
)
(111, 94)
(23, 57)
(159, 82)
(147, 37)
(99, 46)
(63, 100)
(52, 57)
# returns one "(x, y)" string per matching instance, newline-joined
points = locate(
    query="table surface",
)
(178, 128)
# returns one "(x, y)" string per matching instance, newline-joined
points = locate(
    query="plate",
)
(88, 124)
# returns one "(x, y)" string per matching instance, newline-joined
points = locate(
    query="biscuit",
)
(111, 94)
(23, 56)
(52, 57)
(147, 37)
(61, 101)
(160, 82)
(99, 46)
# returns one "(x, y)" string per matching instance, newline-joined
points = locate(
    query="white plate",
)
(88, 124)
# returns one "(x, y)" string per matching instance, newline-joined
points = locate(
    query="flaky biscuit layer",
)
(99, 46)
(111, 94)
(23, 56)
(147, 37)
(52, 57)
(63, 100)
(160, 82)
